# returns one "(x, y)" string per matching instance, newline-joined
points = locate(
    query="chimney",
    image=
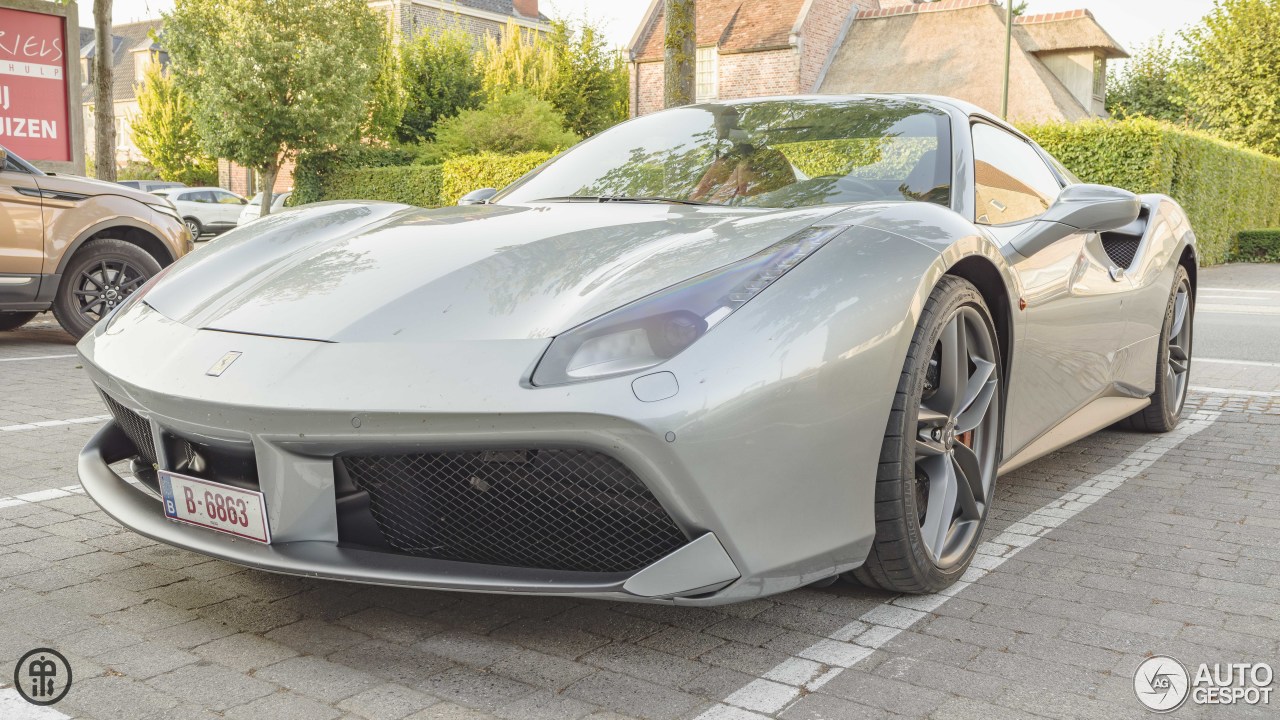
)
(526, 8)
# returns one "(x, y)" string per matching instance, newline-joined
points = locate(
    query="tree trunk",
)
(680, 53)
(104, 115)
(268, 175)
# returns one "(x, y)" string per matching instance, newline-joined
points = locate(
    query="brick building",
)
(414, 17)
(749, 48)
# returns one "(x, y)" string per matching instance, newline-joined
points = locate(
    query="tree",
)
(520, 60)
(589, 81)
(440, 80)
(274, 77)
(514, 122)
(104, 109)
(165, 133)
(388, 98)
(1233, 73)
(1149, 85)
(680, 47)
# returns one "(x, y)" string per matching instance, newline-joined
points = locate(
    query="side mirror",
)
(478, 197)
(1089, 208)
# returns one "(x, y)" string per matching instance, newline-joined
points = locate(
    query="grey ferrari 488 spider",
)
(713, 353)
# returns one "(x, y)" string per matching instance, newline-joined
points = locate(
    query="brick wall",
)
(649, 86)
(416, 18)
(773, 72)
(237, 178)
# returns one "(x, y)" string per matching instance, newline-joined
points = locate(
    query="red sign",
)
(35, 121)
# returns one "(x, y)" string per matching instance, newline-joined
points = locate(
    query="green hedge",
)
(313, 175)
(408, 184)
(465, 173)
(1259, 245)
(1225, 188)
(372, 175)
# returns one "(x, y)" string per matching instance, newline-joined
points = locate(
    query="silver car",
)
(711, 354)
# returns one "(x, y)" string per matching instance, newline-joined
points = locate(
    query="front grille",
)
(135, 426)
(1121, 248)
(573, 510)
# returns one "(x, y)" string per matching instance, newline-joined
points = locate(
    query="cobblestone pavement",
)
(1116, 548)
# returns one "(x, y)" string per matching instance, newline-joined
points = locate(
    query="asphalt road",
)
(1239, 313)
(1114, 549)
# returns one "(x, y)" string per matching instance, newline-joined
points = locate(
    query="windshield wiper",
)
(620, 198)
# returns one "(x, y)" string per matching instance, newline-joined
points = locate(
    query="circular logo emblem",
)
(42, 677)
(1161, 683)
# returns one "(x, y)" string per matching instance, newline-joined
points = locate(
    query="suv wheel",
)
(194, 226)
(14, 320)
(99, 277)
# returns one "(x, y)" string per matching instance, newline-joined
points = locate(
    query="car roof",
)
(939, 102)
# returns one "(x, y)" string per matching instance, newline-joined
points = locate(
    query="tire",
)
(99, 277)
(194, 226)
(927, 526)
(1173, 362)
(14, 320)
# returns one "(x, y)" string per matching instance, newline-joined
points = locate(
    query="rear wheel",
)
(99, 277)
(941, 449)
(1173, 364)
(14, 320)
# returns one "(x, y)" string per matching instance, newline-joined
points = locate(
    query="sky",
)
(1132, 22)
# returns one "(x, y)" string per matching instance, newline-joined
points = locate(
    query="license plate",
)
(242, 513)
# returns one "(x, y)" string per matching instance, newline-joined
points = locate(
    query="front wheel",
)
(99, 277)
(1173, 362)
(194, 226)
(941, 448)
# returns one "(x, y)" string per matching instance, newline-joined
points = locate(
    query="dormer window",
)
(1099, 78)
(86, 70)
(141, 61)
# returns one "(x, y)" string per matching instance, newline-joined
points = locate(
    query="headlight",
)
(166, 208)
(658, 327)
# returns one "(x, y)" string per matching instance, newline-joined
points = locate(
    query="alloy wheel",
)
(104, 285)
(957, 437)
(1178, 369)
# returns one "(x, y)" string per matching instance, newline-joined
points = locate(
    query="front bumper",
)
(757, 467)
(703, 559)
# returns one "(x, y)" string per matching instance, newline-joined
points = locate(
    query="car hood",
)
(378, 272)
(89, 186)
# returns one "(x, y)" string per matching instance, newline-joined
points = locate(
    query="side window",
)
(1012, 181)
(226, 198)
(202, 197)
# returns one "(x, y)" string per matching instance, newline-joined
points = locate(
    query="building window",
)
(707, 70)
(1100, 78)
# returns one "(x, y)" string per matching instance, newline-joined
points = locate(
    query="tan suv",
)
(76, 245)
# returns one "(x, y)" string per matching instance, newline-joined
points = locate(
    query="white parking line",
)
(1233, 391)
(1223, 309)
(1224, 361)
(39, 424)
(41, 496)
(37, 357)
(825, 660)
(1239, 291)
(13, 707)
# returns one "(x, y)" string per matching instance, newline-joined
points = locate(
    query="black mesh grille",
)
(1121, 248)
(135, 426)
(549, 509)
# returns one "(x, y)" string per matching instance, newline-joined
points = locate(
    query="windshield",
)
(777, 153)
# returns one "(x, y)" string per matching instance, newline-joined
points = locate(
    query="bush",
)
(409, 184)
(1259, 245)
(1225, 188)
(312, 176)
(515, 122)
(472, 172)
